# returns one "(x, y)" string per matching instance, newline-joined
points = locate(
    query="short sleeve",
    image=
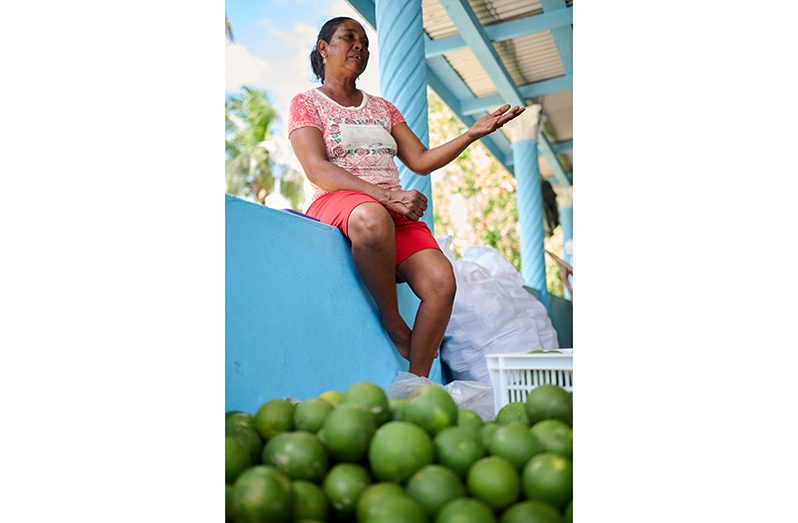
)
(302, 113)
(396, 116)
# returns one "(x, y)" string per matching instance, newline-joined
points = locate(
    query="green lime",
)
(343, 484)
(398, 449)
(249, 441)
(274, 417)
(549, 478)
(261, 494)
(495, 481)
(515, 443)
(371, 397)
(465, 510)
(486, 433)
(568, 515)
(397, 406)
(236, 460)
(515, 411)
(434, 486)
(347, 432)
(228, 503)
(469, 418)
(333, 397)
(531, 512)
(396, 509)
(554, 436)
(458, 448)
(310, 501)
(310, 414)
(238, 419)
(549, 402)
(299, 455)
(431, 408)
(371, 497)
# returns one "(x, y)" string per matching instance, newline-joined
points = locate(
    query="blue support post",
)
(567, 221)
(403, 78)
(403, 81)
(566, 207)
(523, 132)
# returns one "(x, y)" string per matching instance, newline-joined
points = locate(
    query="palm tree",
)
(228, 29)
(248, 119)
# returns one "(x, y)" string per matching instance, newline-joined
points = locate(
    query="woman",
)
(346, 140)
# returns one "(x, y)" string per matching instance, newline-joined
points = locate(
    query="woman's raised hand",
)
(410, 204)
(489, 123)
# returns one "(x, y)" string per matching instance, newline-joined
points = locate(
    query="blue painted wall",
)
(298, 319)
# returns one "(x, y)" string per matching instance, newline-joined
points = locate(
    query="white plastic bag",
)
(466, 394)
(492, 313)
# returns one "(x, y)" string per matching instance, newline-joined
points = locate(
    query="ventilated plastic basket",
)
(515, 375)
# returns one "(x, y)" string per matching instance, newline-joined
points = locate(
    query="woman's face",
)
(348, 50)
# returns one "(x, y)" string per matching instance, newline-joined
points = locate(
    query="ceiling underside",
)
(482, 54)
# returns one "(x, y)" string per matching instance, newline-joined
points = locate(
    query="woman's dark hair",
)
(325, 33)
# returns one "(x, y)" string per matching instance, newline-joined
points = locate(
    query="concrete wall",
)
(298, 319)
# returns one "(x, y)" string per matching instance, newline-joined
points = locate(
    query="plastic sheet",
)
(466, 394)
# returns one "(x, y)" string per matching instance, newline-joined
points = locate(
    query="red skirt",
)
(334, 209)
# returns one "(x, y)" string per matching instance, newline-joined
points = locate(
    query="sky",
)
(272, 42)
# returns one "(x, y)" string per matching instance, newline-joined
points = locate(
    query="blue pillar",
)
(567, 223)
(403, 78)
(523, 134)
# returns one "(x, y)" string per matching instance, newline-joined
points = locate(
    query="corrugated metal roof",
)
(558, 109)
(536, 56)
(528, 59)
(465, 63)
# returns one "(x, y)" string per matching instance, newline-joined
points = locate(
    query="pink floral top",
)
(357, 139)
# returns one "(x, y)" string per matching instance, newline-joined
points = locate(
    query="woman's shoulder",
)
(304, 96)
(382, 103)
(379, 100)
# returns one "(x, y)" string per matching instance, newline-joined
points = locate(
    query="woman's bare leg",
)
(371, 231)
(431, 277)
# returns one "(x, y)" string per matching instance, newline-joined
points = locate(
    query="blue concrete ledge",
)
(298, 319)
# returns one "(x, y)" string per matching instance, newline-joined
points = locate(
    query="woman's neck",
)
(341, 86)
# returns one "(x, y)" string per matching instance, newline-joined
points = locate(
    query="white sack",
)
(492, 313)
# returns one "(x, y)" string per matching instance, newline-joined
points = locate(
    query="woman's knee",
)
(370, 225)
(440, 283)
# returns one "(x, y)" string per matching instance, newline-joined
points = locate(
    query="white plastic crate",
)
(515, 375)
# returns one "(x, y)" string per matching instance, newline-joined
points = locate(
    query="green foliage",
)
(474, 196)
(248, 119)
(258, 163)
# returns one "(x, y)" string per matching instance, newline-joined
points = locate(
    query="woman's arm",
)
(421, 160)
(308, 145)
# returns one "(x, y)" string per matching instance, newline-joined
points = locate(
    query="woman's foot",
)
(400, 336)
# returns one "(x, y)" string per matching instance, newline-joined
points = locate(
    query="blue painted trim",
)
(563, 36)
(473, 33)
(565, 146)
(366, 9)
(505, 31)
(528, 91)
(545, 149)
(444, 80)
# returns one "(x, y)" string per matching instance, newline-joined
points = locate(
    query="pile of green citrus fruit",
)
(356, 456)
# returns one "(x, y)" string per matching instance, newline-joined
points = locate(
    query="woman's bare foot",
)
(400, 336)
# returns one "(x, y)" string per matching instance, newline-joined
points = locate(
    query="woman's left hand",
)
(489, 123)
